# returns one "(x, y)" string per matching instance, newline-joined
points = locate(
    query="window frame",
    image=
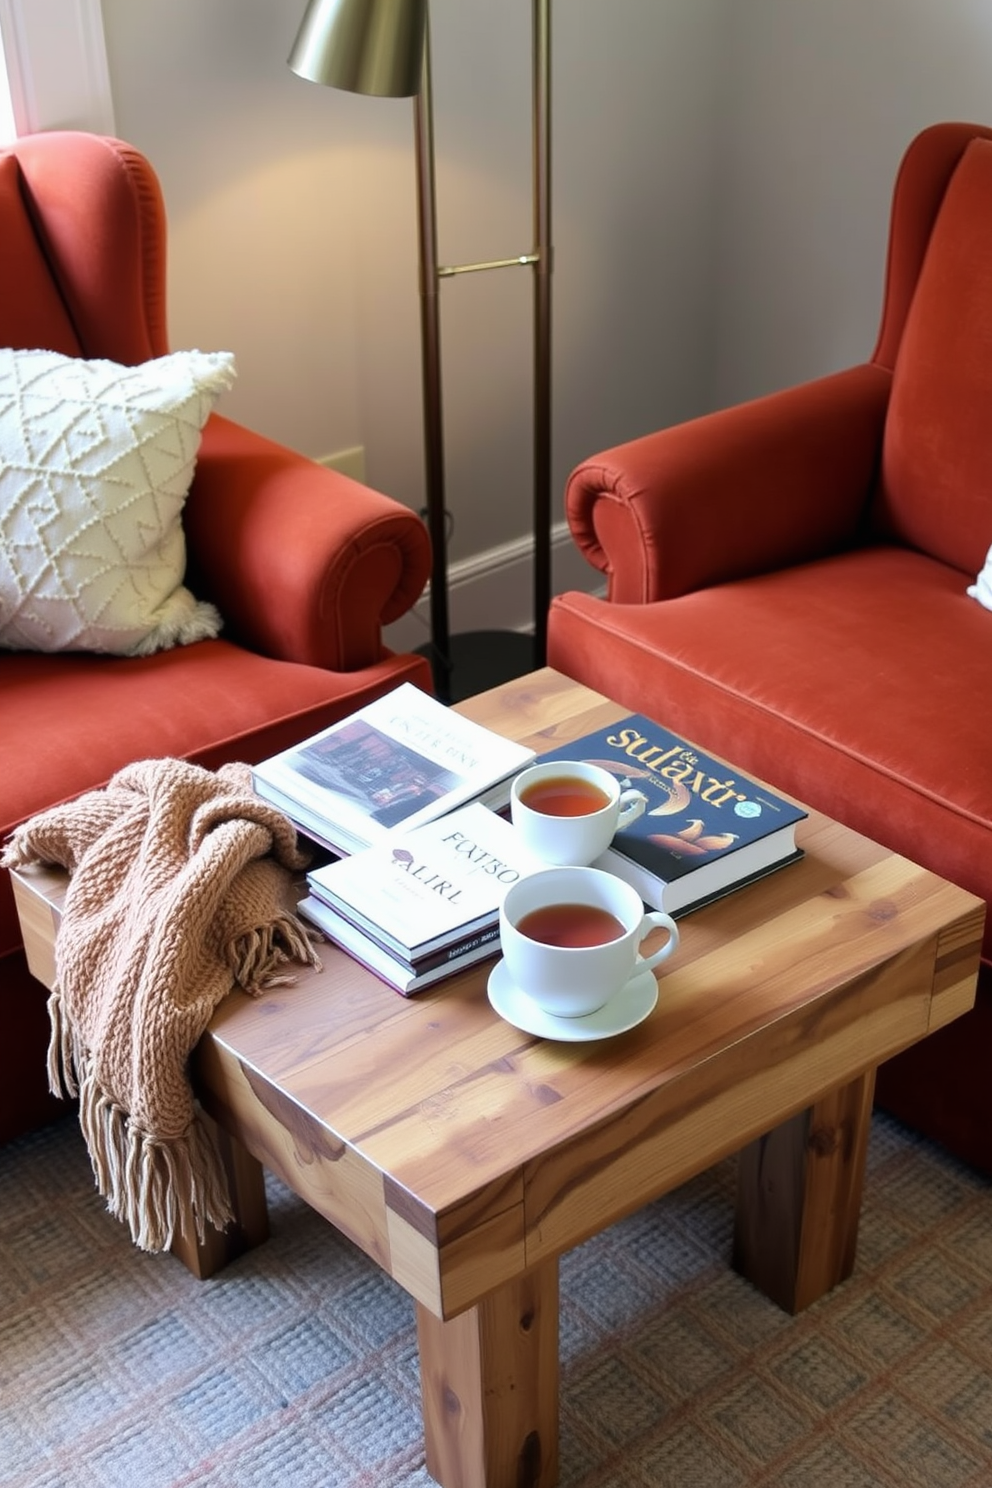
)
(55, 59)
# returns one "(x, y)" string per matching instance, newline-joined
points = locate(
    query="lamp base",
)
(481, 659)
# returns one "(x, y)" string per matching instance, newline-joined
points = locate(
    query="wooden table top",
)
(459, 1151)
(500, 1148)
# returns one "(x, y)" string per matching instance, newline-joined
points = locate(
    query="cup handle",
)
(632, 803)
(650, 920)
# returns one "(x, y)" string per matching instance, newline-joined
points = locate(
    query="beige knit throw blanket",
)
(179, 890)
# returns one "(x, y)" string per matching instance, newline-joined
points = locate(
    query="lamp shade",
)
(363, 46)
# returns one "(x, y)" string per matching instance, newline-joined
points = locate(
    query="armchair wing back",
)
(83, 248)
(788, 585)
(933, 489)
(304, 565)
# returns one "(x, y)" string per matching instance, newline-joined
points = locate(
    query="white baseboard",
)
(493, 590)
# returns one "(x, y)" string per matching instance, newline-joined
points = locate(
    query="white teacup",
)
(567, 811)
(557, 905)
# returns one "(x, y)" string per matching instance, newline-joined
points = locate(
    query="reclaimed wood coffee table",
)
(465, 1157)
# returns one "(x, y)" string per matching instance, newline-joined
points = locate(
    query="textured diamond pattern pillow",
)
(981, 589)
(96, 461)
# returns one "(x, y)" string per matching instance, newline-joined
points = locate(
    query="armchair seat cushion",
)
(859, 683)
(70, 721)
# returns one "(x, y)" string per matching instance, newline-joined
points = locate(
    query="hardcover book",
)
(399, 974)
(427, 891)
(399, 761)
(707, 828)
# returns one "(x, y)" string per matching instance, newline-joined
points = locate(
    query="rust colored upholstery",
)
(305, 565)
(787, 585)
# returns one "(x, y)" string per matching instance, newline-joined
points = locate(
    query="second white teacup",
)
(567, 811)
(570, 938)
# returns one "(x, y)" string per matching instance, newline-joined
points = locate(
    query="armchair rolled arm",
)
(303, 563)
(777, 481)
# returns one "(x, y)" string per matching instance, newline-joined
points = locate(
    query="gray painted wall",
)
(824, 99)
(722, 173)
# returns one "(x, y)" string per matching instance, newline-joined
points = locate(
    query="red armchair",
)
(788, 586)
(305, 566)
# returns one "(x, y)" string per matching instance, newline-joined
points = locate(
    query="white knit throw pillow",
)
(981, 589)
(96, 461)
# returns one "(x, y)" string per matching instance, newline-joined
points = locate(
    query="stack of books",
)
(407, 793)
(425, 903)
(399, 761)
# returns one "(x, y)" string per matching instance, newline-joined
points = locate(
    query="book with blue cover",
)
(707, 828)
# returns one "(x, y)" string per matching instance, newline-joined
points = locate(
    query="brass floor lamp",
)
(382, 47)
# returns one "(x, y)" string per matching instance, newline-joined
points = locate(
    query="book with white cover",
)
(399, 761)
(405, 978)
(438, 884)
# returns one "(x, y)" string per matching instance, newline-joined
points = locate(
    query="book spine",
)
(301, 819)
(459, 948)
(651, 888)
(402, 977)
(447, 956)
(415, 965)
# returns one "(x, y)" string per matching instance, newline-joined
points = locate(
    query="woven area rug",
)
(298, 1365)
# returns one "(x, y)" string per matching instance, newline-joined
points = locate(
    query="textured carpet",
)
(298, 1366)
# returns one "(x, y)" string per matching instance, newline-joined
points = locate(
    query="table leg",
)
(489, 1380)
(250, 1226)
(799, 1198)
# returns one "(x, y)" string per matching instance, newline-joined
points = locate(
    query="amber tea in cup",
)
(565, 795)
(571, 938)
(567, 811)
(571, 925)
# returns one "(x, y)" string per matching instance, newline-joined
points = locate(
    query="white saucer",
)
(626, 1010)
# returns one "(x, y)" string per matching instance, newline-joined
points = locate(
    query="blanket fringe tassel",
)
(61, 1054)
(157, 1186)
(258, 958)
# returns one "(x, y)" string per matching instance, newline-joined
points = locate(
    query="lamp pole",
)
(382, 47)
(451, 654)
(430, 361)
(541, 170)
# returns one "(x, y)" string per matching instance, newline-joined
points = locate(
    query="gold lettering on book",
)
(675, 763)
